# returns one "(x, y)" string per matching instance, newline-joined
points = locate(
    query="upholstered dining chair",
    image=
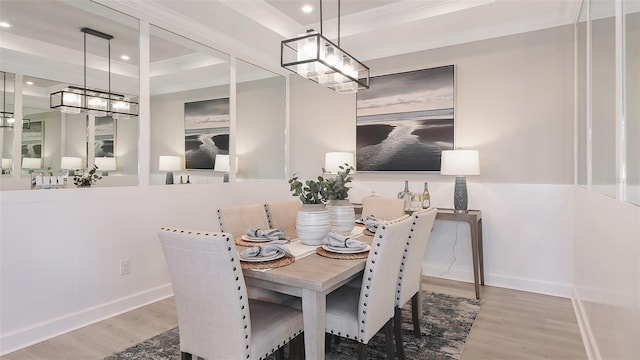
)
(237, 219)
(382, 207)
(215, 317)
(358, 313)
(282, 214)
(409, 279)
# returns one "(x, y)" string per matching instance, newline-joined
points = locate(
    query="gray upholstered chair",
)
(282, 214)
(409, 279)
(382, 207)
(237, 219)
(358, 313)
(215, 317)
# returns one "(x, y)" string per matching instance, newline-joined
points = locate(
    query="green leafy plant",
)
(309, 192)
(336, 187)
(89, 178)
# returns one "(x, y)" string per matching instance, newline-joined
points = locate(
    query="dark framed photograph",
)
(32, 140)
(104, 137)
(206, 127)
(405, 120)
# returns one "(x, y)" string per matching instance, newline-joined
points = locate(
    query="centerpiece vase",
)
(343, 216)
(313, 223)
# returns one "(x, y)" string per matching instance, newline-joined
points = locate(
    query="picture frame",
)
(405, 120)
(206, 127)
(33, 140)
(104, 137)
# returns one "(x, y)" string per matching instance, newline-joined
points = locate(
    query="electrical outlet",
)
(125, 267)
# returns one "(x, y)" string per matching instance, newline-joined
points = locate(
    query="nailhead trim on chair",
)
(266, 210)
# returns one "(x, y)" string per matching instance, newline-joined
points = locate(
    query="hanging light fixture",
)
(6, 117)
(316, 58)
(75, 99)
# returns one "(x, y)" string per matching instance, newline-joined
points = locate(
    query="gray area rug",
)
(446, 323)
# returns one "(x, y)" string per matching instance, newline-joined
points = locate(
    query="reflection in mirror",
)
(581, 96)
(6, 123)
(632, 77)
(603, 105)
(51, 55)
(260, 125)
(189, 86)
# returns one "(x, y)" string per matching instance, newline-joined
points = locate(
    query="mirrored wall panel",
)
(7, 122)
(190, 114)
(581, 96)
(260, 126)
(79, 67)
(603, 95)
(632, 82)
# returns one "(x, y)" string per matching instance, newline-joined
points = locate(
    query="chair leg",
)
(327, 343)
(280, 353)
(397, 329)
(415, 312)
(185, 356)
(362, 351)
(299, 347)
(388, 338)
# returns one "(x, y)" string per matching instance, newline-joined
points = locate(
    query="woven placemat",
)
(368, 232)
(361, 225)
(322, 252)
(283, 261)
(241, 242)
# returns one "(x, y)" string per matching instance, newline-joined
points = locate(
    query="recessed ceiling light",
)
(125, 57)
(306, 8)
(29, 82)
(5, 24)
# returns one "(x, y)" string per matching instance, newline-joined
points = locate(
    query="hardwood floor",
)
(511, 325)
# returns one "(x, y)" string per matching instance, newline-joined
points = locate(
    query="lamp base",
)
(460, 195)
(169, 180)
(225, 178)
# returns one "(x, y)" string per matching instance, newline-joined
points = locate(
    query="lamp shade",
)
(31, 163)
(105, 163)
(70, 163)
(7, 163)
(169, 163)
(333, 160)
(460, 162)
(222, 163)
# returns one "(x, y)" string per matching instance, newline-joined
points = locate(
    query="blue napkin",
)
(343, 241)
(267, 250)
(271, 234)
(370, 222)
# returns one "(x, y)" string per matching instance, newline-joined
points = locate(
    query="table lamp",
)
(7, 164)
(71, 164)
(31, 163)
(222, 165)
(169, 164)
(460, 163)
(333, 161)
(105, 164)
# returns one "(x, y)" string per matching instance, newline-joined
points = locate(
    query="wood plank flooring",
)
(511, 325)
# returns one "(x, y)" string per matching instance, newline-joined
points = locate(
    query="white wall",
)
(607, 274)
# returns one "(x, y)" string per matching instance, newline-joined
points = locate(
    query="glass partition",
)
(53, 54)
(632, 82)
(603, 105)
(260, 125)
(581, 82)
(190, 117)
(6, 123)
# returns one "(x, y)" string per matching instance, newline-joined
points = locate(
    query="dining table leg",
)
(314, 309)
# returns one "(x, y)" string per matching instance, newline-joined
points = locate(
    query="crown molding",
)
(266, 15)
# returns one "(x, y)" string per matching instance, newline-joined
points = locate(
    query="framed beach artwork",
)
(206, 127)
(405, 120)
(104, 137)
(32, 140)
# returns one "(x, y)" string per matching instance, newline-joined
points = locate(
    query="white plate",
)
(263, 258)
(341, 250)
(246, 237)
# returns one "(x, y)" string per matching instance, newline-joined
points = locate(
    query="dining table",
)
(310, 277)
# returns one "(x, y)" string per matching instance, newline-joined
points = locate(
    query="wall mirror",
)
(581, 96)
(260, 125)
(49, 56)
(190, 112)
(603, 95)
(7, 122)
(632, 82)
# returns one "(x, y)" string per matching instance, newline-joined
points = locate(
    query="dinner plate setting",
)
(246, 237)
(262, 258)
(345, 250)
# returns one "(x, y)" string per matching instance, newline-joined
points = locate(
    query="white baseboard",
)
(30, 335)
(509, 282)
(589, 341)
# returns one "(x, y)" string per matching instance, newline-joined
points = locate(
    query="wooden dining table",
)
(311, 278)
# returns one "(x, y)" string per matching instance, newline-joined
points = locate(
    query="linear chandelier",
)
(74, 100)
(6, 117)
(316, 58)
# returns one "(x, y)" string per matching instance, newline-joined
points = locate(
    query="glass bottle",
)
(426, 198)
(405, 195)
